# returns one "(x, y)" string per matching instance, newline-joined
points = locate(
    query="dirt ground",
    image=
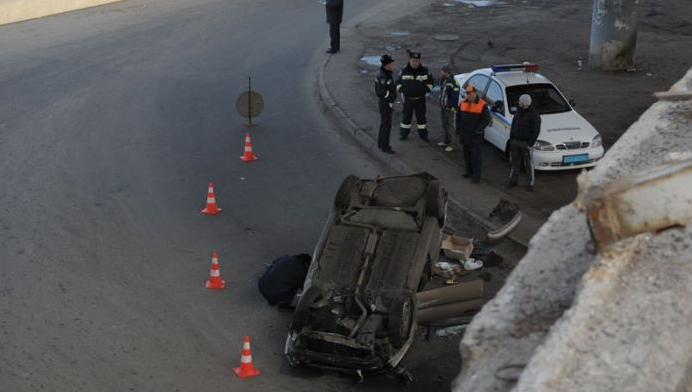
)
(554, 34)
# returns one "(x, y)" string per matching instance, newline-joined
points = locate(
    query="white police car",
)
(566, 141)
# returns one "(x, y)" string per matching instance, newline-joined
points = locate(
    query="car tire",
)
(343, 195)
(302, 313)
(435, 200)
(402, 315)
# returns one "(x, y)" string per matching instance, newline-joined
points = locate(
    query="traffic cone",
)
(211, 208)
(246, 368)
(214, 281)
(248, 156)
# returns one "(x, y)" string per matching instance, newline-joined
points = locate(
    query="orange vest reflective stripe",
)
(472, 107)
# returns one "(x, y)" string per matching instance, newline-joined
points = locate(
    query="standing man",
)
(386, 92)
(472, 118)
(449, 101)
(526, 125)
(335, 11)
(414, 82)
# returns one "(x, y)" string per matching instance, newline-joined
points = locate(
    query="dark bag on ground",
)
(283, 278)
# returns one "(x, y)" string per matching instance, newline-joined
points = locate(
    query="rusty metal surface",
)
(649, 201)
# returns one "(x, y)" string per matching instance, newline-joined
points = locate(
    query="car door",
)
(497, 132)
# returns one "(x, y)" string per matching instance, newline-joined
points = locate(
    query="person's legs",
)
(476, 158)
(468, 162)
(515, 157)
(528, 164)
(406, 115)
(385, 126)
(421, 121)
(335, 37)
(451, 134)
(445, 131)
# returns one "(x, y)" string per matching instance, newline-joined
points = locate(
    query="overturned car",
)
(357, 312)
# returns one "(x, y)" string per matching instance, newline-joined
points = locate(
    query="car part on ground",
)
(507, 215)
(649, 201)
(450, 302)
(358, 311)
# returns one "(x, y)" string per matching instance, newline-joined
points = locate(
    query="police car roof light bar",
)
(526, 67)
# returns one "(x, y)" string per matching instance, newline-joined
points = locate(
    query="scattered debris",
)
(371, 60)
(508, 216)
(473, 264)
(446, 37)
(457, 248)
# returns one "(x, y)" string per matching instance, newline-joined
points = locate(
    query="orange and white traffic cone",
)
(246, 368)
(248, 156)
(214, 281)
(211, 208)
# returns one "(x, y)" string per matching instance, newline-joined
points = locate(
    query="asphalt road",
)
(112, 122)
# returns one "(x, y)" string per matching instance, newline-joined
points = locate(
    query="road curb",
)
(367, 142)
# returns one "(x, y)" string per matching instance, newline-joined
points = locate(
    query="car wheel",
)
(343, 195)
(435, 199)
(402, 315)
(302, 313)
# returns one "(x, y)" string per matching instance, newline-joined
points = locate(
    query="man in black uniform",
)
(526, 125)
(335, 11)
(386, 92)
(414, 82)
(472, 118)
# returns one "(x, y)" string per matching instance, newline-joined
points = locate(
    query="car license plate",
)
(575, 158)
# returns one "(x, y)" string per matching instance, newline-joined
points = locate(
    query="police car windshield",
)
(544, 97)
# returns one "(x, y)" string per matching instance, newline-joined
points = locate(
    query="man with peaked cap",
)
(386, 92)
(414, 82)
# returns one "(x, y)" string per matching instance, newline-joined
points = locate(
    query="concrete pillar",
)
(613, 34)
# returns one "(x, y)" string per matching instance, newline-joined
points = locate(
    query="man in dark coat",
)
(526, 126)
(449, 103)
(385, 89)
(335, 11)
(414, 82)
(472, 118)
(283, 278)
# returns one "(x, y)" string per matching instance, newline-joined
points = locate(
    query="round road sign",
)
(249, 104)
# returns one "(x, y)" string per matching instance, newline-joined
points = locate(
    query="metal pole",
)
(249, 100)
(613, 34)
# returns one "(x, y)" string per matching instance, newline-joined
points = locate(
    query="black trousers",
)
(385, 125)
(411, 106)
(335, 36)
(473, 154)
(520, 151)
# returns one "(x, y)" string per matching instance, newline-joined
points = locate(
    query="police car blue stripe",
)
(501, 118)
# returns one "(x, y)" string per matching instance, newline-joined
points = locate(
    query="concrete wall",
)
(570, 319)
(18, 10)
